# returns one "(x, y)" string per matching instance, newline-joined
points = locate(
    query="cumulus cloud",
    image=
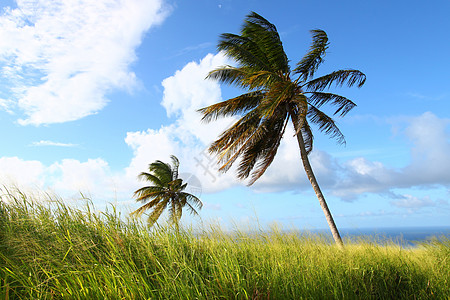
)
(359, 175)
(431, 151)
(411, 202)
(349, 179)
(71, 175)
(21, 173)
(68, 178)
(428, 165)
(187, 137)
(52, 48)
(287, 172)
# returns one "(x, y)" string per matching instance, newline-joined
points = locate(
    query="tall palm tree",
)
(167, 190)
(275, 95)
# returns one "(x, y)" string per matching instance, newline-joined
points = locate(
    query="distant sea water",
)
(406, 236)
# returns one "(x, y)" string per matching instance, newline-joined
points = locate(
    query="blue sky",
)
(92, 92)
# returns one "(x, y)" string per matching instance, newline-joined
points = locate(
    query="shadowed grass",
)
(49, 250)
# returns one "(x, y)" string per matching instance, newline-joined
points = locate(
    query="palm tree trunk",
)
(315, 185)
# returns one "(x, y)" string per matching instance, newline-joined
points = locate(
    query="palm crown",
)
(276, 94)
(167, 191)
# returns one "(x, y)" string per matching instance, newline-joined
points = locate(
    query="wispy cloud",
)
(189, 49)
(411, 202)
(212, 206)
(51, 143)
(64, 56)
(423, 97)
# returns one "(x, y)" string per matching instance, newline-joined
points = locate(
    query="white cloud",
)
(430, 158)
(65, 55)
(149, 146)
(431, 152)
(187, 89)
(184, 93)
(51, 143)
(67, 178)
(21, 173)
(287, 172)
(359, 175)
(71, 175)
(411, 202)
(187, 137)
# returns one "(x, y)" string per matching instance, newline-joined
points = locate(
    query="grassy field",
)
(54, 251)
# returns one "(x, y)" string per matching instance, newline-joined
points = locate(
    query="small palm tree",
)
(273, 99)
(167, 190)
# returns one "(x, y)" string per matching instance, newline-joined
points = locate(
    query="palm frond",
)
(144, 193)
(312, 60)
(191, 209)
(340, 77)
(178, 212)
(325, 123)
(193, 200)
(157, 211)
(175, 210)
(176, 185)
(262, 145)
(252, 79)
(278, 96)
(175, 166)
(190, 201)
(237, 135)
(229, 155)
(269, 153)
(265, 35)
(259, 80)
(144, 176)
(161, 170)
(232, 107)
(243, 50)
(343, 104)
(229, 75)
(250, 130)
(148, 206)
(308, 138)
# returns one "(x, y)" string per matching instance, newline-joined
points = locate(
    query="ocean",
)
(406, 236)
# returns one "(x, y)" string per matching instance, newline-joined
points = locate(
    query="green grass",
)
(54, 251)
